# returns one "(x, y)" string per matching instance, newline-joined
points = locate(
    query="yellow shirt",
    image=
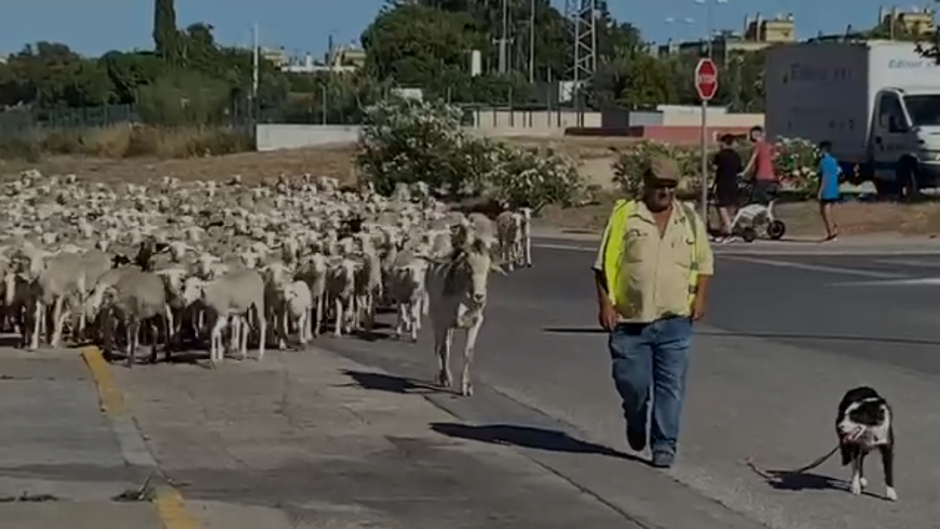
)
(655, 279)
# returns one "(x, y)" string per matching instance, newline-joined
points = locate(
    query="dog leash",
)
(764, 474)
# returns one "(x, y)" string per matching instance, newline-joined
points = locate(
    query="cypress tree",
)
(164, 29)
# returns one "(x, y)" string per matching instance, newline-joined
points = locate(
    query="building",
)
(758, 33)
(339, 59)
(276, 56)
(914, 21)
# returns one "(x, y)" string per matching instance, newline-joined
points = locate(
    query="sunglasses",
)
(668, 186)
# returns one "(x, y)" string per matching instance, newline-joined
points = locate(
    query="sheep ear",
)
(498, 268)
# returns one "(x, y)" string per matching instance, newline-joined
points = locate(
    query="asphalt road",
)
(785, 337)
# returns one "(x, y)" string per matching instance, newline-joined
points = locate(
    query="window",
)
(890, 114)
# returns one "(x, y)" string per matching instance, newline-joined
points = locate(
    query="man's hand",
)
(698, 308)
(607, 316)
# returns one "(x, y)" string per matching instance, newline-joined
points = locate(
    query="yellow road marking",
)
(172, 510)
(169, 503)
(109, 397)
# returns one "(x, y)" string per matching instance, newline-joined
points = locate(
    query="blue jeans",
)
(652, 354)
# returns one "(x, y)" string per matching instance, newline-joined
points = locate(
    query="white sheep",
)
(458, 290)
(407, 291)
(231, 295)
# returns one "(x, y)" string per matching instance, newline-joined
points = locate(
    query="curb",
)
(168, 501)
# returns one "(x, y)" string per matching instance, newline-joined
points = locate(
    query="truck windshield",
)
(924, 109)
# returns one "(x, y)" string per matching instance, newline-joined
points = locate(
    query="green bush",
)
(403, 141)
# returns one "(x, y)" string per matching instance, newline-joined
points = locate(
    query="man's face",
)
(659, 194)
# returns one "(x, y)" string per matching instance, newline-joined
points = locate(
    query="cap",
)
(662, 168)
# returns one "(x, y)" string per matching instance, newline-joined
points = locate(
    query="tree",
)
(417, 46)
(165, 34)
(49, 75)
(634, 79)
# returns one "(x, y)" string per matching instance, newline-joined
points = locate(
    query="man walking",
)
(762, 163)
(652, 273)
(728, 167)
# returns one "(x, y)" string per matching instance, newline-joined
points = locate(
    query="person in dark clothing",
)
(728, 168)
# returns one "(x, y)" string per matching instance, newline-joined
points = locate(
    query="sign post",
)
(706, 84)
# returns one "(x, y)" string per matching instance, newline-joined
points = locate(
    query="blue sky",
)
(96, 26)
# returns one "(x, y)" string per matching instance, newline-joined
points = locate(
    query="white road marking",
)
(915, 282)
(909, 262)
(573, 248)
(818, 268)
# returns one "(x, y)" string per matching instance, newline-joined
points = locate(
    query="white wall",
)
(277, 136)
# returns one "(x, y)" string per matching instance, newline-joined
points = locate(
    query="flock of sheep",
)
(172, 261)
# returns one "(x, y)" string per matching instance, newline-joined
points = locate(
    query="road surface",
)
(785, 337)
(345, 435)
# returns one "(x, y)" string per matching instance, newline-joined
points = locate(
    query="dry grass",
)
(336, 161)
(125, 141)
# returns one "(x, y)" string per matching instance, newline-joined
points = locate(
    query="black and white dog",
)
(863, 424)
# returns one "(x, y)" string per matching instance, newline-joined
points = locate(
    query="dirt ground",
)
(332, 160)
(802, 219)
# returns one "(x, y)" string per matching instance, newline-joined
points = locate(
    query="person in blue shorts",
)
(829, 173)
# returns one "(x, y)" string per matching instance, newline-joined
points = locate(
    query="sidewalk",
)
(306, 439)
(60, 462)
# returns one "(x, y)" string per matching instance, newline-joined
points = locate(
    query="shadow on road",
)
(389, 383)
(793, 481)
(526, 437)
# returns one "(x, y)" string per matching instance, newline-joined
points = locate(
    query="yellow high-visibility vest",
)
(614, 246)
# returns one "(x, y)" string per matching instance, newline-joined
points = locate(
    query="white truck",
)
(878, 102)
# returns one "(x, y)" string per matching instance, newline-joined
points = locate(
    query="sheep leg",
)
(235, 338)
(56, 317)
(170, 329)
(443, 337)
(243, 338)
(131, 331)
(338, 331)
(263, 324)
(466, 386)
(400, 326)
(36, 323)
(82, 318)
(415, 317)
(282, 329)
(167, 322)
(215, 341)
(425, 304)
(527, 251)
(319, 316)
(370, 311)
(302, 327)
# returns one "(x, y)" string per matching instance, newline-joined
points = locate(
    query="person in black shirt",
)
(728, 167)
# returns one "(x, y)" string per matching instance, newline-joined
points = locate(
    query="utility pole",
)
(532, 42)
(255, 67)
(504, 40)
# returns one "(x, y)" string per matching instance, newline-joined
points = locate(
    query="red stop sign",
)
(706, 79)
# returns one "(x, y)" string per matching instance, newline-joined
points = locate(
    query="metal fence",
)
(328, 105)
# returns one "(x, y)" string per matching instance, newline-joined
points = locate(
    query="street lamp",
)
(707, 4)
